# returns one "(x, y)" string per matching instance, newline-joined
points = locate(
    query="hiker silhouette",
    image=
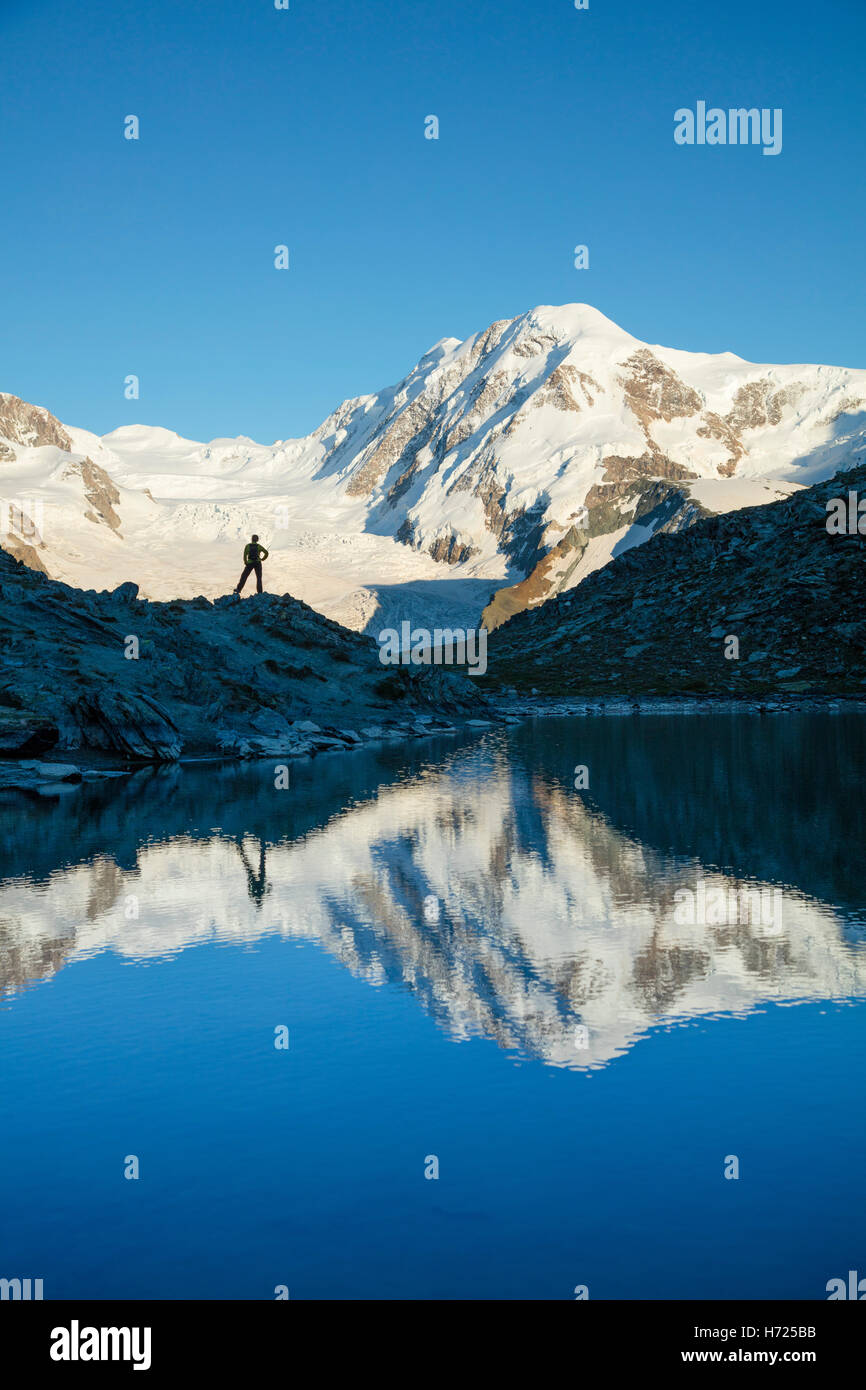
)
(253, 556)
(257, 882)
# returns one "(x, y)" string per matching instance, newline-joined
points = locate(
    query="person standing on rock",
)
(253, 556)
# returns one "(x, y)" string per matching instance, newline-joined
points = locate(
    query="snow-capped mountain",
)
(518, 461)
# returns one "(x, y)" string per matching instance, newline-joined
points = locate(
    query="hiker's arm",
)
(263, 554)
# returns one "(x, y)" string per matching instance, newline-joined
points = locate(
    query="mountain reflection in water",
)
(562, 926)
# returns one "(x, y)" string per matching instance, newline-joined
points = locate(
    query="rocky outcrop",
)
(655, 392)
(450, 549)
(759, 601)
(30, 425)
(638, 498)
(111, 672)
(551, 573)
(133, 724)
(756, 405)
(101, 493)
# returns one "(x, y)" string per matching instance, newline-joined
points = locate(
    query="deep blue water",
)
(435, 926)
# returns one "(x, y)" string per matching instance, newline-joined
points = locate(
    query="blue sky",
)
(306, 127)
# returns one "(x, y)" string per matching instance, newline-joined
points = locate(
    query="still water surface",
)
(582, 1003)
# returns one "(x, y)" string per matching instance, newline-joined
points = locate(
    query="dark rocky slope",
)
(262, 675)
(659, 619)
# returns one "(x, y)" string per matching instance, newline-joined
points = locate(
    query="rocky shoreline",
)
(307, 740)
(53, 778)
(577, 706)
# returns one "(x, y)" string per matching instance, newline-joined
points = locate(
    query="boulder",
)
(132, 724)
(125, 592)
(271, 724)
(56, 772)
(21, 732)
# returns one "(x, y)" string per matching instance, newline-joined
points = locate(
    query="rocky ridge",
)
(757, 602)
(115, 674)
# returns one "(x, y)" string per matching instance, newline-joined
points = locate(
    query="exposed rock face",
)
(399, 445)
(551, 573)
(760, 601)
(625, 486)
(134, 724)
(563, 387)
(110, 671)
(101, 494)
(655, 392)
(756, 405)
(451, 549)
(645, 498)
(30, 425)
(21, 550)
(67, 487)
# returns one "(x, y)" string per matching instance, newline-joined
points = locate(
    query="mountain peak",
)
(440, 350)
(572, 320)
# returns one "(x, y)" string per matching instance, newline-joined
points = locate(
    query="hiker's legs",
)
(258, 570)
(248, 569)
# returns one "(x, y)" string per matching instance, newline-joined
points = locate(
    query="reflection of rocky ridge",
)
(776, 798)
(549, 916)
